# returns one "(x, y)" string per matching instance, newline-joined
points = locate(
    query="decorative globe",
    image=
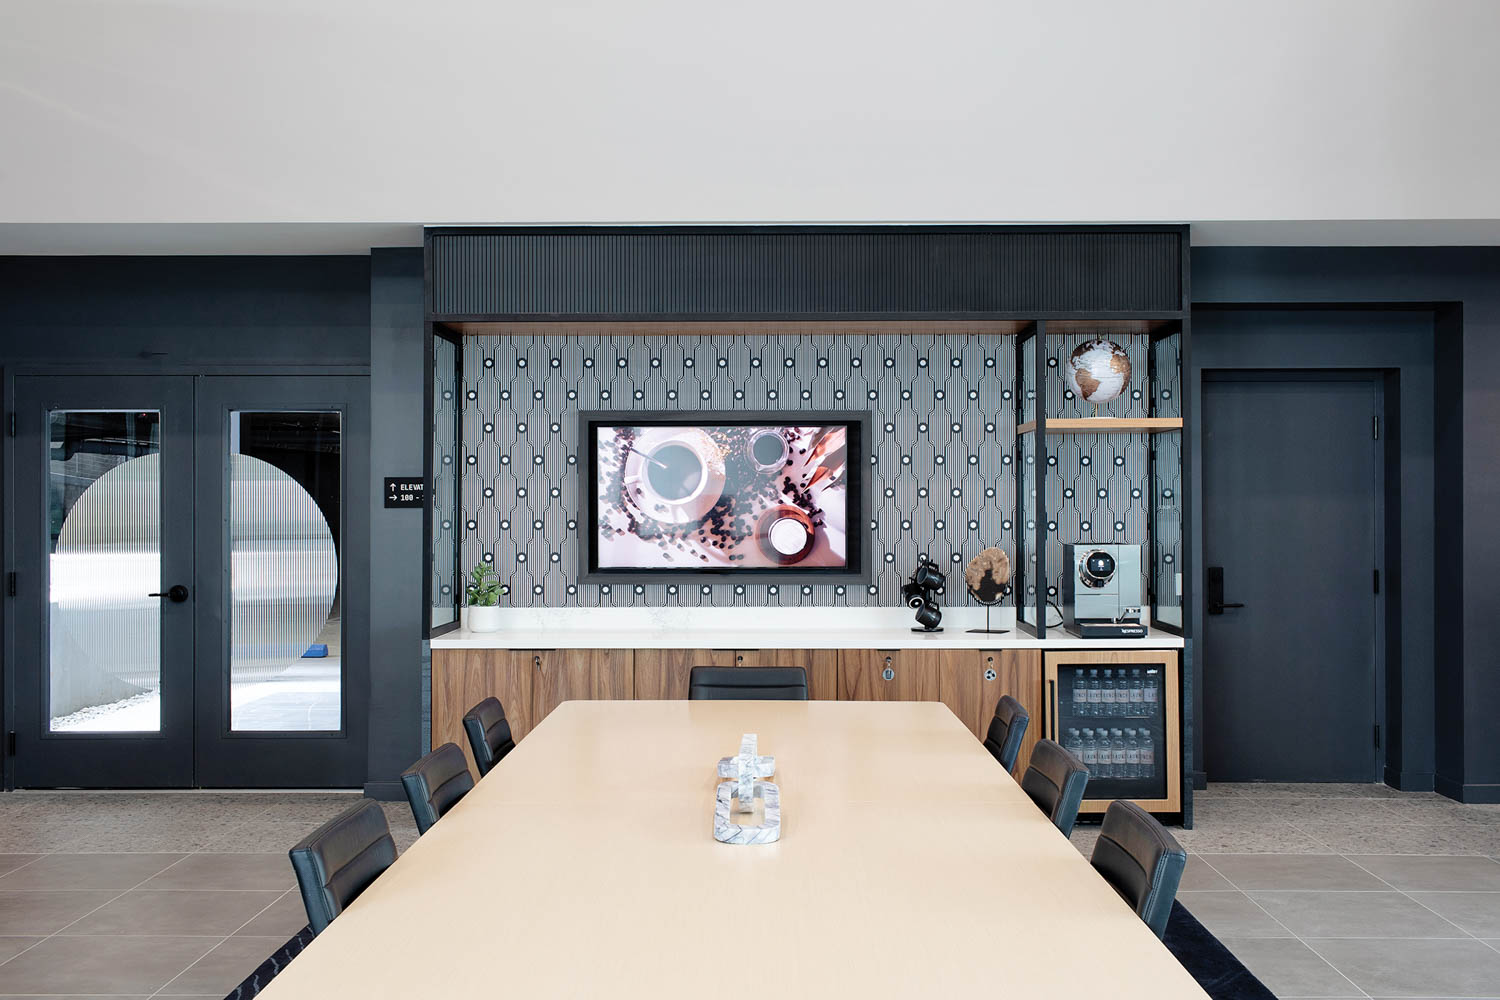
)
(1098, 370)
(987, 575)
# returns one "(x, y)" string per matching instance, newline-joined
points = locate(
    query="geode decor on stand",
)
(738, 796)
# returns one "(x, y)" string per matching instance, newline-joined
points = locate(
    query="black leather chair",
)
(747, 684)
(1055, 781)
(489, 734)
(435, 783)
(1144, 862)
(339, 860)
(1006, 729)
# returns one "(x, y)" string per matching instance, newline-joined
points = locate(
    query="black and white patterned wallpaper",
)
(943, 479)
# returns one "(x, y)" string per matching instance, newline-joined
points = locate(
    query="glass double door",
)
(182, 615)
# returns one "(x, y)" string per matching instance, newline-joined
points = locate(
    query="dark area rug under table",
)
(1221, 975)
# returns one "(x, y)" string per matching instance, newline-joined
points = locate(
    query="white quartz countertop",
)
(765, 628)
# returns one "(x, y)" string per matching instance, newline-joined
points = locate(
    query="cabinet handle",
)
(538, 661)
(739, 659)
(1049, 723)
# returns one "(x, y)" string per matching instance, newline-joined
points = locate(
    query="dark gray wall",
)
(398, 430)
(1400, 342)
(1462, 286)
(180, 315)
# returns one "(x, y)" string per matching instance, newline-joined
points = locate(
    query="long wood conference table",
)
(910, 864)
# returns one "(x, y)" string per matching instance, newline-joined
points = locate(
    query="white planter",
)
(484, 619)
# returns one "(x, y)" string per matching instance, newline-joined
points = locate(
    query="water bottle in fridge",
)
(1147, 755)
(1149, 696)
(1117, 754)
(1093, 694)
(1137, 693)
(1132, 754)
(1089, 752)
(1080, 692)
(1107, 703)
(1073, 743)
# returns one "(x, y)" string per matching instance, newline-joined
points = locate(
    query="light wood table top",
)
(584, 865)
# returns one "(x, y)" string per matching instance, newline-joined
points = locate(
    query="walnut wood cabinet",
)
(532, 682)
(663, 674)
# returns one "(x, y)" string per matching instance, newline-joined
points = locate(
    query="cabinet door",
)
(961, 687)
(578, 675)
(822, 666)
(662, 674)
(461, 678)
(1018, 673)
(888, 675)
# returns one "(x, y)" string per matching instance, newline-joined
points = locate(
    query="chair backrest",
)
(489, 734)
(339, 860)
(435, 783)
(1055, 781)
(1144, 862)
(1006, 729)
(747, 684)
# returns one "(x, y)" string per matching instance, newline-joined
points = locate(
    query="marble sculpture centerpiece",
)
(738, 796)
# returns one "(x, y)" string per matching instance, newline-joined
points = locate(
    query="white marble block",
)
(747, 769)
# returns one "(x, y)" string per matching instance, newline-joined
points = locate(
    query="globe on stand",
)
(988, 578)
(1097, 371)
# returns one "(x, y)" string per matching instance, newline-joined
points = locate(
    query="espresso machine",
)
(1103, 590)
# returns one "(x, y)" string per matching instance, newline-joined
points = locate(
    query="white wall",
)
(433, 111)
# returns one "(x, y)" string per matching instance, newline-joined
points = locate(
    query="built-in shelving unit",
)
(1105, 425)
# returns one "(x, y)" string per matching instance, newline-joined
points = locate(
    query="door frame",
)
(163, 757)
(1387, 541)
(223, 758)
(358, 496)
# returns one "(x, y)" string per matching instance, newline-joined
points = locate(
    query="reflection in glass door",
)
(284, 505)
(104, 528)
(104, 625)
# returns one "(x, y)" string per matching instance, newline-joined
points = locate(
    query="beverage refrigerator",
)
(1121, 713)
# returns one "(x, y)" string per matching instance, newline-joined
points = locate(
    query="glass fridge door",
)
(1114, 719)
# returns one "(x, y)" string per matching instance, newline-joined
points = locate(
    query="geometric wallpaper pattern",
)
(943, 475)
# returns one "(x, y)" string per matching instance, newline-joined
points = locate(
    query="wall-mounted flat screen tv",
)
(747, 494)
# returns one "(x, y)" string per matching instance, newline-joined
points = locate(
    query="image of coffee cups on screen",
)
(767, 450)
(675, 475)
(920, 593)
(786, 534)
(987, 577)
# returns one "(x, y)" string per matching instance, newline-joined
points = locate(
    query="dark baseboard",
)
(385, 791)
(1409, 781)
(1200, 780)
(1476, 793)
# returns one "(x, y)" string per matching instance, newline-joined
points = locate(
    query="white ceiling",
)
(358, 238)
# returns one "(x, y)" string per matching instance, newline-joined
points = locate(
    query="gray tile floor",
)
(151, 894)
(1347, 890)
(1323, 890)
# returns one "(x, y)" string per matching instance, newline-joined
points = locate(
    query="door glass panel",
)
(444, 478)
(285, 636)
(104, 521)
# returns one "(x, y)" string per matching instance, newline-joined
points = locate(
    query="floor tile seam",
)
(216, 947)
(1408, 895)
(48, 937)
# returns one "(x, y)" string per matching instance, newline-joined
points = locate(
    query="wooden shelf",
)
(1105, 425)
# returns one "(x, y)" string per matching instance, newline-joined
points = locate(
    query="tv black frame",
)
(859, 569)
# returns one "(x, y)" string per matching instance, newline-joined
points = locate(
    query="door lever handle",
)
(176, 593)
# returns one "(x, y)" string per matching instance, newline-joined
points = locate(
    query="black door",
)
(191, 595)
(105, 581)
(1290, 508)
(282, 599)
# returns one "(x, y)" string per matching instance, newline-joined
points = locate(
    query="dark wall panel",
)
(185, 310)
(828, 272)
(1462, 284)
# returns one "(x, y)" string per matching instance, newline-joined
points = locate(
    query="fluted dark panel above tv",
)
(804, 273)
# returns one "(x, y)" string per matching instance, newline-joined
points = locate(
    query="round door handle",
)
(176, 593)
(888, 674)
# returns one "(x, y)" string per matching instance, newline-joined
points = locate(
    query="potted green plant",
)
(484, 592)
